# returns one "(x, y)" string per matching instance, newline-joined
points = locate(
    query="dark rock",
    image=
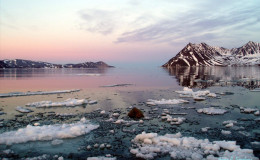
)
(19, 115)
(136, 113)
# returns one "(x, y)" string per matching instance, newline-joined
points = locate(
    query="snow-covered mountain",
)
(20, 63)
(205, 55)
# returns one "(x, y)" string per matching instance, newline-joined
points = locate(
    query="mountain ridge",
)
(203, 54)
(21, 63)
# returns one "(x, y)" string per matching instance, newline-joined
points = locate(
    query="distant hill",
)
(205, 55)
(20, 63)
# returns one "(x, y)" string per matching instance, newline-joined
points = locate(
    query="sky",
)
(122, 31)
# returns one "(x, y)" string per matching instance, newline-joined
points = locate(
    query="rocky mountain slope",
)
(20, 63)
(205, 55)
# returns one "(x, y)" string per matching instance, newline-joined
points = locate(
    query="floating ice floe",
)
(249, 110)
(151, 145)
(175, 121)
(187, 92)
(229, 123)
(255, 90)
(92, 102)
(211, 111)
(12, 94)
(120, 121)
(165, 101)
(65, 114)
(101, 158)
(36, 124)
(115, 114)
(205, 129)
(42, 157)
(244, 133)
(199, 98)
(23, 109)
(68, 103)
(257, 119)
(56, 142)
(225, 132)
(47, 132)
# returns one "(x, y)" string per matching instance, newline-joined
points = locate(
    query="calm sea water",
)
(216, 79)
(50, 79)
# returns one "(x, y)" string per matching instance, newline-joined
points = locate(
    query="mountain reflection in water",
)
(204, 77)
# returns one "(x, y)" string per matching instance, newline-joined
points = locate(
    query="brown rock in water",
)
(135, 113)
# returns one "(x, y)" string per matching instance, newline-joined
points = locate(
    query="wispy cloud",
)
(10, 26)
(197, 24)
(100, 21)
(7, 20)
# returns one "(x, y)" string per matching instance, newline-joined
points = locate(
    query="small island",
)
(20, 63)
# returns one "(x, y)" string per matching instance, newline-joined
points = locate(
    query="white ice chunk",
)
(178, 120)
(228, 145)
(229, 125)
(47, 132)
(165, 101)
(212, 95)
(197, 98)
(248, 110)
(101, 158)
(23, 109)
(229, 121)
(205, 129)
(119, 121)
(65, 114)
(56, 142)
(116, 114)
(36, 124)
(69, 103)
(12, 94)
(151, 145)
(42, 157)
(211, 111)
(225, 132)
(92, 102)
(189, 93)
